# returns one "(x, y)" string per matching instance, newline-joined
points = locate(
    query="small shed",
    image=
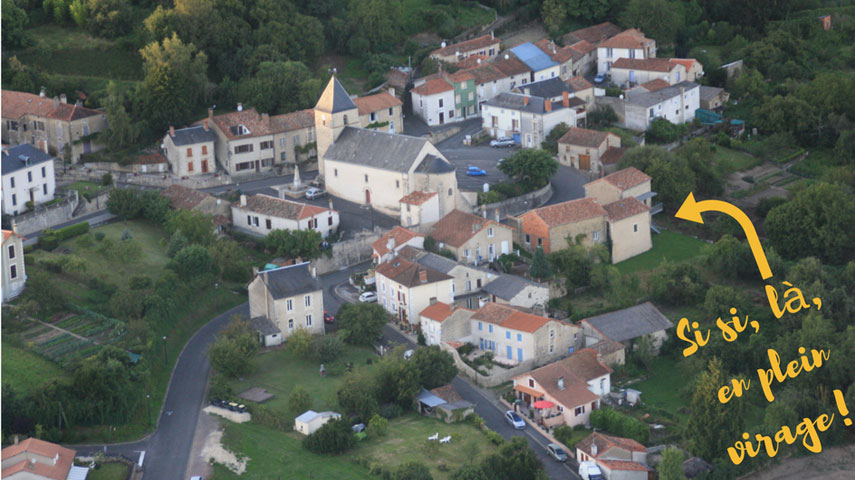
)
(445, 403)
(311, 421)
(268, 333)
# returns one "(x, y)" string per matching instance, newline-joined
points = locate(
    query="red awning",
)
(543, 404)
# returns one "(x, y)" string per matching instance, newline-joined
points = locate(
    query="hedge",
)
(49, 239)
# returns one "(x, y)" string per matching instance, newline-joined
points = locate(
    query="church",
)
(397, 175)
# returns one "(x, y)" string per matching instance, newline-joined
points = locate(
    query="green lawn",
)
(815, 164)
(26, 370)
(667, 245)
(109, 471)
(84, 187)
(728, 160)
(664, 387)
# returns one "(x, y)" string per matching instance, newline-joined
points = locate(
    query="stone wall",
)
(98, 202)
(47, 217)
(516, 205)
(349, 252)
(498, 378)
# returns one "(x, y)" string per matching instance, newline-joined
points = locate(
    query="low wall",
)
(47, 217)
(349, 252)
(516, 205)
(97, 203)
(504, 375)
(162, 180)
(437, 137)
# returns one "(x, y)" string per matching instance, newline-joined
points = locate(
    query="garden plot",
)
(66, 345)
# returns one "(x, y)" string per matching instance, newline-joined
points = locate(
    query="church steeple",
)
(335, 111)
(335, 98)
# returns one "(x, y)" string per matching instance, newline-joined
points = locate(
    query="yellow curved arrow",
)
(691, 211)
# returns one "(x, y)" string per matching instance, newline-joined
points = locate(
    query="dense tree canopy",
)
(361, 323)
(175, 81)
(532, 168)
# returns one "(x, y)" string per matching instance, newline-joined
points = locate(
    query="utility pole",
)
(164, 349)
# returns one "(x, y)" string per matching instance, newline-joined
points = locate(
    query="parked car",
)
(515, 420)
(503, 142)
(328, 317)
(600, 78)
(590, 471)
(359, 427)
(476, 172)
(409, 354)
(368, 297)
(555, 451)
(314, 193)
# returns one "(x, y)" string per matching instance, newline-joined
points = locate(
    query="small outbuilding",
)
(310, 421)
(268, 333)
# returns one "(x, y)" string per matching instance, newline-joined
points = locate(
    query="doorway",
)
(441, 118)
(367, 197)
(584, 162)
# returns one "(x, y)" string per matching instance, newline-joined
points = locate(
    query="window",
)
(13, 271)
(508, 335)
(490, 327)
(651, 113)
(468, 285)
(539, 241)
(372, 117)
(268, 224)
(420, 103)
(282, 142)
(44, 172)
(471, 96)
(551, 348)
(451, 114)
(335, 172)
(308, 300)
(329, 221)
(366, 178)
(14, 200)
(602, 385)
(308, 320)
(345, 119)
(44, 189)
(291, 324)
(609, 52)
(490, 232)
(457, 98)
(579, 410)
(480, 326)
(450, 192)
(189, 151)
(11, 252)
(390, 112)
(255, 221)
(440, 103)
(266, 145)
(397, 184)
(635, 227)
(597, 236)
(29, 176)
(296, 140)
(289, 305)
(189, 166)
(283, 156)
(465, 252)
(204, 149)
(243, 148)
(531, 383)
(632, 54)
(249, 219)
(519, 337)
(527, 238)
(13, 182)
(383, 287)
(551, 332)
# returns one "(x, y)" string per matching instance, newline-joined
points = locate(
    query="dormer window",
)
(239, 130)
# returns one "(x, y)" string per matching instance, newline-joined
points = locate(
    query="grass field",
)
(667, 245)
(728, 160)
(815, 164)
(109, 471)
(664, 388)
(26, 370)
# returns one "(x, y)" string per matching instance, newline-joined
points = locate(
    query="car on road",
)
(590, 471)
(328, 317)
(515, 420)
(503, 142)
(600, 78)
(368, 297)
(476, 172)
(314, 193)
(555, 451)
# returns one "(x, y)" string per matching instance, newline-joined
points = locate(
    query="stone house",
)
(185, 198)
(14, 268)
(594, 34)
(514, 336)
(50, 124)
(628, 44)
(468, 281)
(35, 459)
(190, 151)
(589, 150)
(517, 292)
(625, 183)
(575, 385)
(293, 138)
(628, 72)
(244, 141)
(442, 323)
(260, 214)
(527, 119)
(619, 458)
(676, 103)
(563, 56)
(28, 176)
(390, 243)
(289, 297)
(628, 325)
(486, 45)
(419, 210)
(694, 68)
(382, 111)
(712, 98)
(433, 101)
(551, 226)
(629, 228)
(472, 239)
(582, 88)
(405, 288)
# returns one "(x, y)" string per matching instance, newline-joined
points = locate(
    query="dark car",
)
(328, 317)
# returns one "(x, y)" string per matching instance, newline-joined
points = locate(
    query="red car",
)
(328, 318)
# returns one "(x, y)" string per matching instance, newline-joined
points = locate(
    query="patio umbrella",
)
(542, 404)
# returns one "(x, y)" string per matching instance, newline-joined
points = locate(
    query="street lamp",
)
(164, 349)
(148, 404)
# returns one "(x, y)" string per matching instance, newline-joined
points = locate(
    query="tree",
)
(731, 258)
(721, 298)
(816, 222)
(671, 465)
(617, 423)
(844, 149)
(191, 262)
(514, 461)
(79, 10)
(435, 366)
(109, 385)
(232, 353)
(228, 258)
(361, 323)
(122, 202)
(531, 168)
(196, 227)
(540, 267)
(299, 401)
(14, 24)
(397, 380)
(420, 337)
(109, 18)
(300, 342)
(43, 292)
(304, 244)
(678, 284)
(553, 13)
(334, 437)
(279, 87)
(328, 348)
(412, 470)
(713, 425)
(469, 472)
(176, 242)
(787, 114)
(378, 426)
(659, 19)
(122, 131)
(154, 206)
(357, 395)
(550, 144)
(601, 116)
(672, 177)
(661, 130)
(175, 81)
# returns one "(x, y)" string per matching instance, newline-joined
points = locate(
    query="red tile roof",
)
(583, 47)
(624, 465)
(433, 86)
(292, 121)
(586, 364)
(397, 78)
(472, 61)
(277, 207)
(461, 76)
(467, 46)
(417, 198)
(509, 317)
(626, 178)
(575, 391)
(249, 118)
(646, 64)
(438, 311)
(579, 83)
(447, 393)
(184, 198)
(632, 38)
(18, 104)
(568, 212)
(399, 234)
(34, 446)
(654, 85)
(376, 102)
(486, 74)
(457, 227)
(153, 158)
(605, 442)
(409, 274)
(686, 62)
(625, 208)
(511, 66)
(612, 155)
(9, 233)
(596, 33)
(584, 137)
(556, 52)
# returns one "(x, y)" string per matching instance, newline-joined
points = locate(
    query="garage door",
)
(584, 162)
(505, 248)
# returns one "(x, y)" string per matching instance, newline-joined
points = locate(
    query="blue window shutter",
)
(508, 334)
(510, 352)
(519, 354)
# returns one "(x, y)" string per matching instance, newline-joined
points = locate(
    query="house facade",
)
(574, 384)
(442, 323)
(433, 101)
(517, 291)
(468, 280)
(190, 151)
(244, 141)
(28, 176)
(619, 458)
(589, 150)
(261, 214)
(289, 297)
(550, 227)
(293, 138)
(419, 209)
(627, 44)
(471, 238)
(14, 268)
(49, 124)
(694, 68)
(526, 118)
(34, 459)
(485, 45)
(382, 111)
(676, 103)
(625, 183)
(629, 228)
(405, 288)
(712, 98)
(390, 243)
(628, 72)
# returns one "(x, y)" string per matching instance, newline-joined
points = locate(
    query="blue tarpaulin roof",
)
(535, 58)
(429, 399)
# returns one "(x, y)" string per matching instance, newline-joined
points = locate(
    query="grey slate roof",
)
(193, 135)
(22, 156)
(388, 151)
(649, 99)
(549, 88)
(264, 326)
(432, 260)
(507, 286)
(335, 98)
(629, 323)
(429, 398)
(515, 101)
(289, 281)
(708, 93)
(434, 164)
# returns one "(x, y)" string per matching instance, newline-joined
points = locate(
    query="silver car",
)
(314, 193)
(503, 142)
(515, 420)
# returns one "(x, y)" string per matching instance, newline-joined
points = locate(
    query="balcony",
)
(656, 209)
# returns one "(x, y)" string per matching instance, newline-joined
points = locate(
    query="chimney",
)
(171, 130)
(433, 300)
(55, 101)
(547, 105)
(422, 276)
(63, 98)
(491, 35)
(243, 200)
(593, 449)
(560, 383)
(484, 214)
(265, 118)
(552, 46)
(254, 272)
(392, 91)
(525, 101)
(240, 107)
(16, 437)
(43, 92)
(331, 207)
(314, 271)
(210, 112)
(443, 44)
(15, 230)
(565, 98)
(497, 215)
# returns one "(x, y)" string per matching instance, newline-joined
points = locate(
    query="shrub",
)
(107, 179)
(616, 423)
(378, 426)
(564, 434)
(220, 387)
(268, 418)
(390, 411)
(72, 231)
(48, 240)
(139, 282)
(465, 349)
(328, 348)
(663, 131)
(495, 438)
(334, 437)
(99, 236)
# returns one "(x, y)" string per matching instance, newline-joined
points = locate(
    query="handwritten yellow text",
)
(794, 301)
(808, 429)
(725, 393)
(794, 368)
